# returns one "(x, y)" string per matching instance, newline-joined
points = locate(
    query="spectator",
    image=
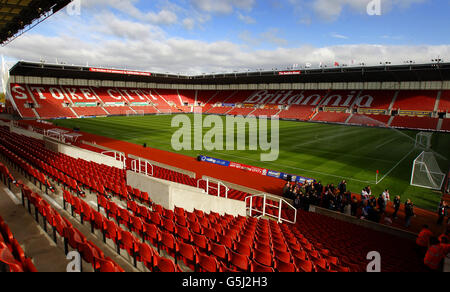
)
(332, 188)
(365, 210)
(435, 255)
(295, 193)
(343, 187)
(374, 214)
(386, 196)
(409, 212)
(442, 212)
(373, 201)
(319, 188)
(306, 202)
(397, 203)
(354, 208)
(423, 240)
(297, 204)
(286, 189)
(339, 202)
(382, 204)
(365, 195)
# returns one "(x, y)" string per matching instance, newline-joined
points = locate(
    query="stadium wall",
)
(27, 133)
(76, 153)
(364, 223)
(169, 195)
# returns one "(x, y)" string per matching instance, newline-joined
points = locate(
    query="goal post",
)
(426, 172)
(423, 140)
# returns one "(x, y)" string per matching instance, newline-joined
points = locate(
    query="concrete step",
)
(36, 243)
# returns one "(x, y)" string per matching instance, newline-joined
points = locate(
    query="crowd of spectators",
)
(431, 249)
(339, 199)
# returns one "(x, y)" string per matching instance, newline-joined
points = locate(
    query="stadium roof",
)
(382, 73)
(18, 16)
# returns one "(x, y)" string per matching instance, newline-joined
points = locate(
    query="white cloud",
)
(114, 41)
(223, 6)
(119, 28)
(330, 10)
(339, 36)
(246, 18)
(165, 16)
(194, 57)
(189, 23)
(270, 36)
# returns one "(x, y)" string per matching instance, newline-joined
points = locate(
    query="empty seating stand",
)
(444, 103)
(446, 125)
(64, 101)
(331, 117)
(423, 100)
(424, 123)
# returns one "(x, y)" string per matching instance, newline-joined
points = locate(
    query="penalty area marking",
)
(385, 143)
(398, 163)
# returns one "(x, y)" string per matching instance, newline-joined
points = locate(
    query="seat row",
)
(12, 256)
(122, 237)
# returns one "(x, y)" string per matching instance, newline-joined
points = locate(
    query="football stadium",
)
(327, 168)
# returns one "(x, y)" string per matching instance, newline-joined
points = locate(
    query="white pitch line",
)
(53, 202)
(392, 140)
(93, 204)
(13, 197)
(406, 156)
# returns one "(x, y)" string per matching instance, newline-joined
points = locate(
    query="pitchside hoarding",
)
(254, 169)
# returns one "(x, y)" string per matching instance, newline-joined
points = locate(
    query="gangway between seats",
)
(142, 166)
(267, 202)
(210, 187)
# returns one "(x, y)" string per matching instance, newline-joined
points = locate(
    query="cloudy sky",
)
(203, 36)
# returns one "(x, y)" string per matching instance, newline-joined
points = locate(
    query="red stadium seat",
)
(257, 268)
(187, 254)
(285, 267)
(239, 261)
(207, 264)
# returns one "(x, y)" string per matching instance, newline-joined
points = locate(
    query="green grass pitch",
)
(325, 152)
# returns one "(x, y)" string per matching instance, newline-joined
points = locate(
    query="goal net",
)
(426, 172)
(423, 140)
(135, 113)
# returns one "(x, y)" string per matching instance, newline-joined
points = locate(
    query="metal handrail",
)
(137, 169)
(251, 210)
(119, 156)
(208, 187)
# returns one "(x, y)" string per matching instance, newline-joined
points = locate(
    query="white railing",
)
(142, 166)
(119, 156)
(209, 187)
(252, 211)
